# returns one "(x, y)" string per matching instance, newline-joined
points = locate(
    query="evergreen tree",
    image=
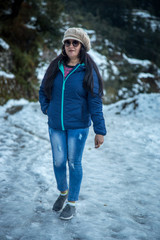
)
(25, 25)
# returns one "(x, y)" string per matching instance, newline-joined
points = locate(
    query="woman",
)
(70, 94)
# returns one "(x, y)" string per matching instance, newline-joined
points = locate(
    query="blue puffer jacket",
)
(71, 106)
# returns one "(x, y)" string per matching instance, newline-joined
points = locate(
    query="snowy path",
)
(120, 194)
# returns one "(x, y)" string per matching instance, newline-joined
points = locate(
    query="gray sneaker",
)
(68, 212)
(58, 205)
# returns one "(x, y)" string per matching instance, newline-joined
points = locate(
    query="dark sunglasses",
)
(75, 43)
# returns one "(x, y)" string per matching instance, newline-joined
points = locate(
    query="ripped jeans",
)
(68, 146)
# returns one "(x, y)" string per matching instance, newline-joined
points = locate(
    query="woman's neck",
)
(73, 62)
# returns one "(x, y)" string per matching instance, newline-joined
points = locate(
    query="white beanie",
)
(78, 34)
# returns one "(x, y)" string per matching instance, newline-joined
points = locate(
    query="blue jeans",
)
(68, 146)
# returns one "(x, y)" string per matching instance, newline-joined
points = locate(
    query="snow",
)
(157, 83)
(97, 57)
(41, 69)
(145, 86)
(142, 14)
(43, 64)
(145, 75)
(144, 63)
(7, 75)
(123, 92)
(123, 78)
(92, 35)
(29, 26)
(89, 31)
(3, 44)
(155, 25)
(101, 61)
(151, 19)
(114, 68)
(120, 191)
(33, 19)
(93, 38)
(109, 44)
(136, 88)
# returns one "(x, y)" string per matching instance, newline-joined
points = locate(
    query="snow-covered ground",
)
(120, 194)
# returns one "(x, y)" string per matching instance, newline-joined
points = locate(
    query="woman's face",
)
(72, 48)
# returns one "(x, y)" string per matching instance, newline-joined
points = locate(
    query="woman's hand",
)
(99, 139)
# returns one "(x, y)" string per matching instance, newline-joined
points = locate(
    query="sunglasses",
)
(75, 43)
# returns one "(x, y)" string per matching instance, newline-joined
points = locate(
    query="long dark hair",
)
(85, 58)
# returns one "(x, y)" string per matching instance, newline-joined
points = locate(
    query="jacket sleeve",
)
(44, 101)
(95, 108)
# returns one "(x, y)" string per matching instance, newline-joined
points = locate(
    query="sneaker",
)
(58, 205)
(68, 212)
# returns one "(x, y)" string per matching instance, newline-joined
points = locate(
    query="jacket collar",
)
(61, 67)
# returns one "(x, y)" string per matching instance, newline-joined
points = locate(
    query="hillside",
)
(125, 44)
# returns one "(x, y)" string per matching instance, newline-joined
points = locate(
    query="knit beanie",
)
(78, 34)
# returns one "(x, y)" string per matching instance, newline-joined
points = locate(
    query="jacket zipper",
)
(63, 88)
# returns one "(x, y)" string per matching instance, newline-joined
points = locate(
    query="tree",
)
(25, 25)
